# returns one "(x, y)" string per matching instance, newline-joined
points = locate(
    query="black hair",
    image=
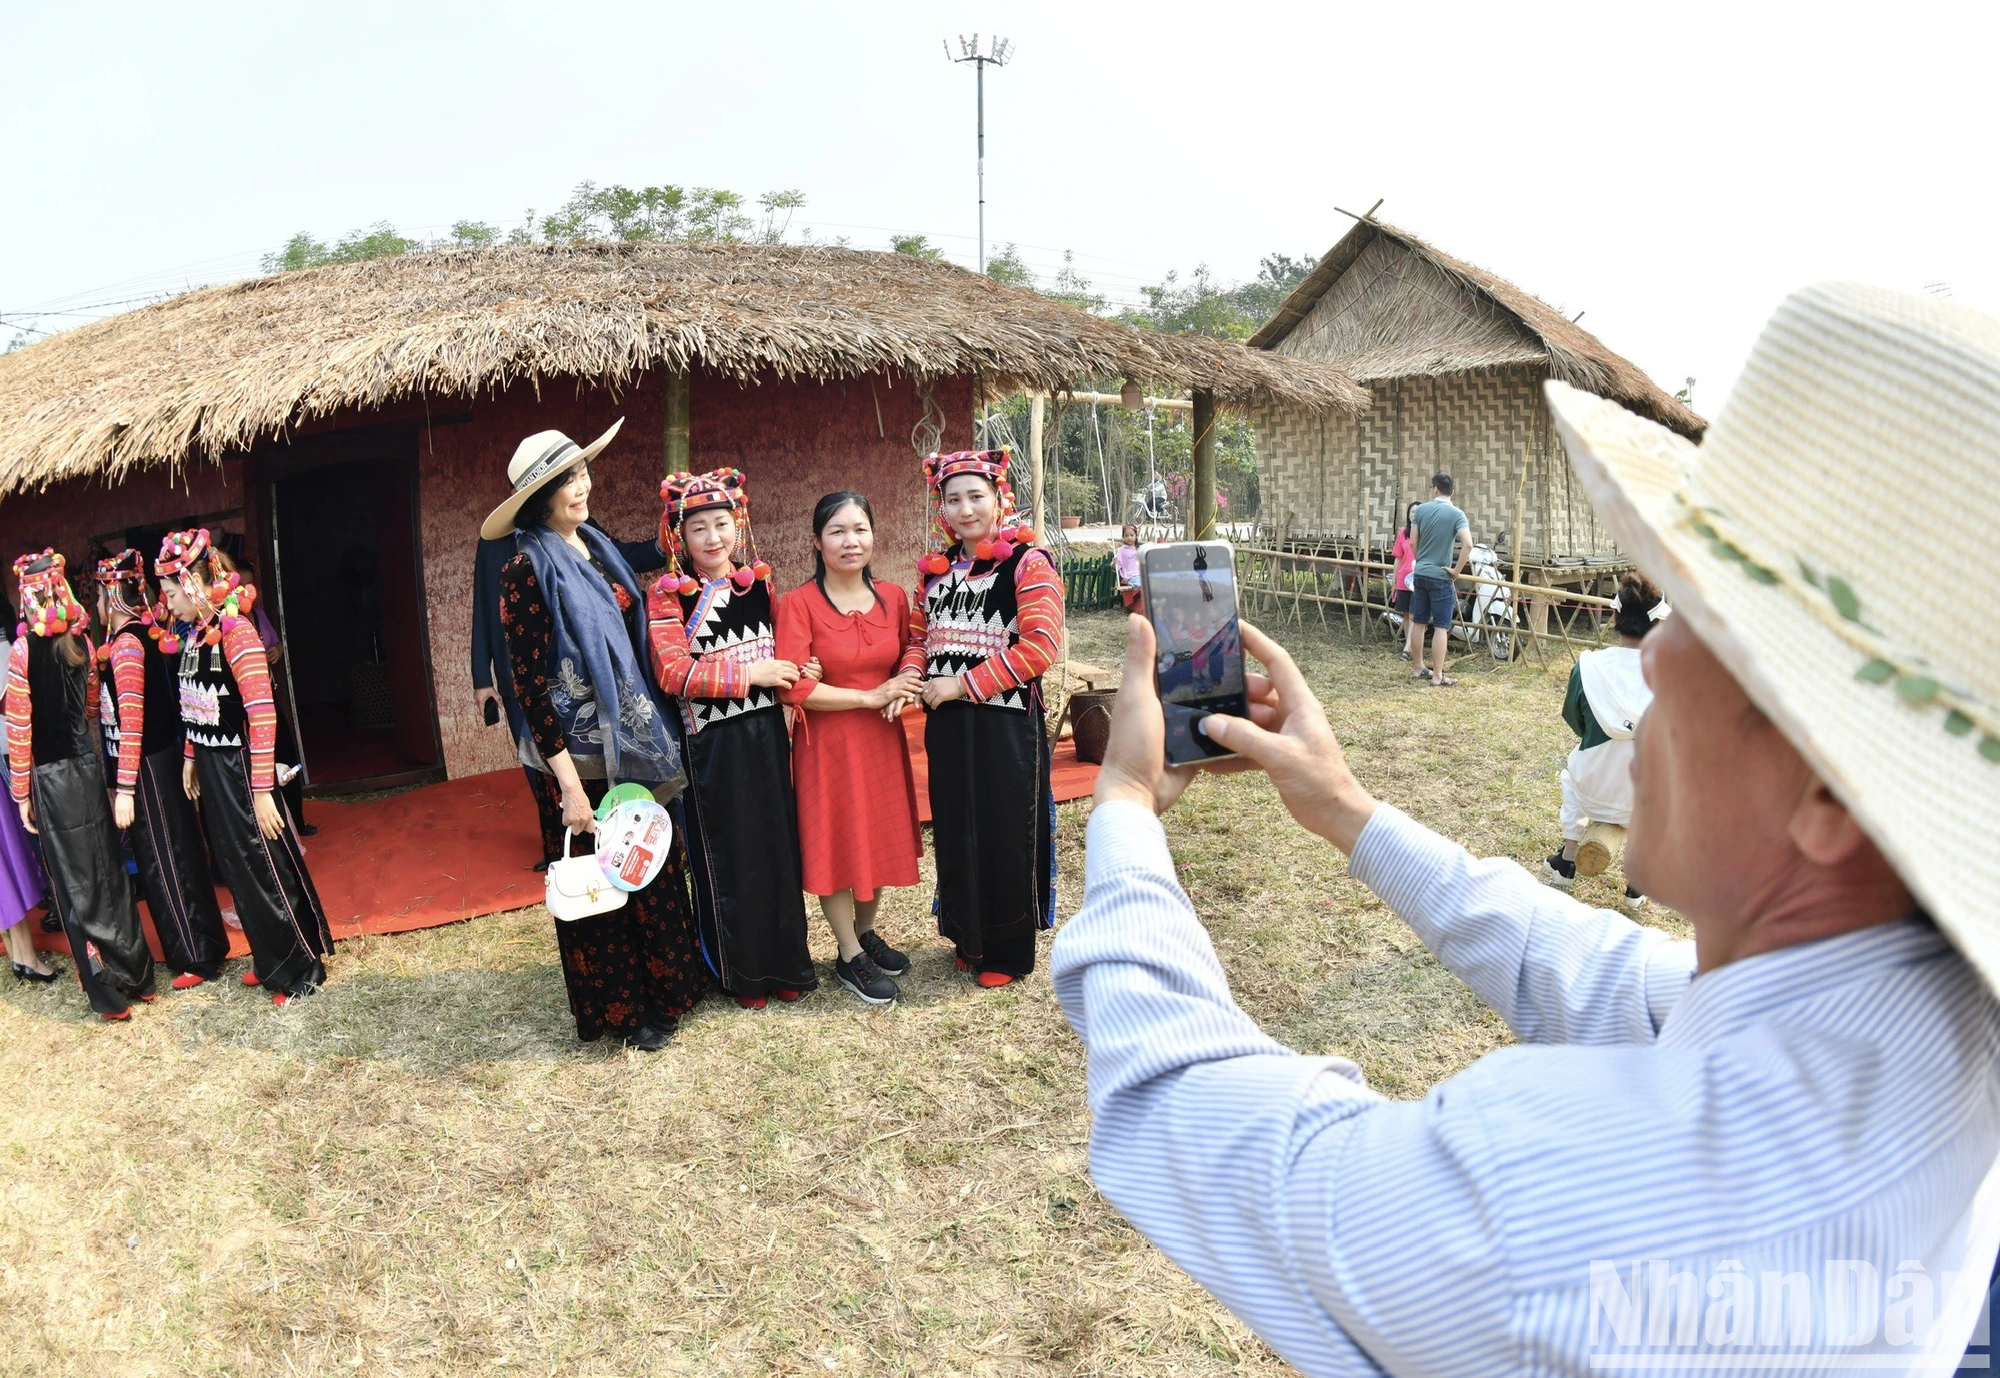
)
(535, 511)
(824, 511)
(1636, 600)
(1409, 508)
(1443, 483)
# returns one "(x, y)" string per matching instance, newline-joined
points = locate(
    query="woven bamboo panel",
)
(1338, 478)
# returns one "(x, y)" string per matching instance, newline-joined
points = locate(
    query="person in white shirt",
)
(1772, 1147)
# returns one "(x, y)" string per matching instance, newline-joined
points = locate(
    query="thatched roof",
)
(214, 370)
(1384, 304)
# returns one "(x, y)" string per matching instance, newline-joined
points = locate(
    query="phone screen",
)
(1190, 592)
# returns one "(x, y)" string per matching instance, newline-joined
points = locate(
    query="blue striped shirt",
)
(1669, 1170)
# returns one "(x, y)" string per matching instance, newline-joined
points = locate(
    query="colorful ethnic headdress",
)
(686, 494)
(48, 608)
(123, 579)
(227, 597)
(1008, 533)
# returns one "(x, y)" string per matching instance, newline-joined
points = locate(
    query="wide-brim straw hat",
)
(536, 460)
(1830, 540)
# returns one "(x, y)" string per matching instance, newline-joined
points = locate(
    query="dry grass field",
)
(422, 1172)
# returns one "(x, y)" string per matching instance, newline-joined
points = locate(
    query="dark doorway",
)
(344, 541)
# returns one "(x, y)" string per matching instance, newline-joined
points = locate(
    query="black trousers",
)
(991, 830)
(274, 895)
(88, 888)
(174, 878)
(743, 853)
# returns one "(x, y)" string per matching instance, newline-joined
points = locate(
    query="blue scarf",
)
(600, 657)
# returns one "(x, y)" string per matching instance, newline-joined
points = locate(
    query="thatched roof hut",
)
(352, 424)
(1453, 357)
(216, 370)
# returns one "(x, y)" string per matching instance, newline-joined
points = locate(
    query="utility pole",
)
(996, 54)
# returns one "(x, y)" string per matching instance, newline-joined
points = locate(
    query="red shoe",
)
(787, 994)
(281, 1000)
(147, 999)
(749, 1002)
(963, 965)
(250, 978)
(187, 980)
(115, 1018)
(994, 979)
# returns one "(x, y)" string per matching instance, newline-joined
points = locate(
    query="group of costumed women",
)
(179, 694)
(682, 683)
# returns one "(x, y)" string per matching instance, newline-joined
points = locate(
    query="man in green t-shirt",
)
(1443, 543)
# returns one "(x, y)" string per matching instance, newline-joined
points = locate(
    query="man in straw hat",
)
(1773, 1146)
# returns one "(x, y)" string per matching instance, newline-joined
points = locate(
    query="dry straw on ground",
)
(211, 371)
(421, 1172)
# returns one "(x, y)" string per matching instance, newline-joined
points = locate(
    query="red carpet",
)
(441, 853)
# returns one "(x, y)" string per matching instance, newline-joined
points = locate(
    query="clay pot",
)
(1070, 523)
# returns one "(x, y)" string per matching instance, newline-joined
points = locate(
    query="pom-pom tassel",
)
(984, 550)
(934, 564)
(211, 637)
(687, 586)
(761, 570)
(743, 578)
(171, 644)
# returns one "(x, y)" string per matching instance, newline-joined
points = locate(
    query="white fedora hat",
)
(537, 459)
(1821, 540)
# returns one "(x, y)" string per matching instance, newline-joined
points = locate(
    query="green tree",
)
(1008, 267)
(916, 246)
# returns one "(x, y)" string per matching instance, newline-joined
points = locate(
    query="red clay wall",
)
(795, 441)
(69, 516)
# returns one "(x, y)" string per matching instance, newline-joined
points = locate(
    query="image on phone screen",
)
(1190, 591)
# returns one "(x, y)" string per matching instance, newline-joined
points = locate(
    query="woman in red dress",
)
(851, 761)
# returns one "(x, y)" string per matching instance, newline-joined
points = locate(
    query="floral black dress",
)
(638, 965)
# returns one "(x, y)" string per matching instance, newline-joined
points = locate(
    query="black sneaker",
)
(881, 954)
(1634, 900)
(1558, 871)
(865, 979)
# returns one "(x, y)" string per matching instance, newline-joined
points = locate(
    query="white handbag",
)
(576, 887)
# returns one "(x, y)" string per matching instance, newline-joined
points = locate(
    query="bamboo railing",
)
(1273, 581)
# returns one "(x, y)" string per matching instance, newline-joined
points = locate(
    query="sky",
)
(1670, 171)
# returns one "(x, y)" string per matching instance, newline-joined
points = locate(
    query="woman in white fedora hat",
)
(574, 616)
(1773, 1146)
(492, 667)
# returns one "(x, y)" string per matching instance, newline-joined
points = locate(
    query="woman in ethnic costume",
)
(143, 737)
(987, 622)
(857, 799)
(58, 787)
(229, 721)
(574, 618)
(714, 652)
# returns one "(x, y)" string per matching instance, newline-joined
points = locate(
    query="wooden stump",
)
(1603, 843)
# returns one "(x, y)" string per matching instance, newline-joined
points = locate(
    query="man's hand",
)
(121, 810)
(1287, 735)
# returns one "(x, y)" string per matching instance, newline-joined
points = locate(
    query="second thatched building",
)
(1454, 358)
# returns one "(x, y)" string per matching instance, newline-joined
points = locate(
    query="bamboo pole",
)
(1112, 399)
(674, 443)
(1035, 406)
(1588, 600)
(1203, 408)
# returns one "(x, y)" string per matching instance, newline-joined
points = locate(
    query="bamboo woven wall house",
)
(352, 424)
(1454, 359)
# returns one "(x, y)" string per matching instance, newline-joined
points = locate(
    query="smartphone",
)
(1190, 593)
(492, 712)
